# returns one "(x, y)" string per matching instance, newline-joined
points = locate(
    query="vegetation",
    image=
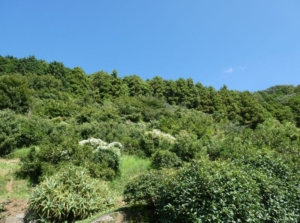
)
(182, 151)
(69, 195)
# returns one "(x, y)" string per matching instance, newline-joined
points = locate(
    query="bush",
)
(18, 131)
(108, 162)
(186, 146)
(69, 195)
(10, 131)
(165, 159)
(146, 188)
(210, 193)
(244, 191)
(38, 164)
(14, 93)
(154, 140)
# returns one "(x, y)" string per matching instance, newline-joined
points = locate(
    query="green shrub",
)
(211, 193)
(109, 162)
(241, 191)
(17, 131)
(155, 140)
(14, 93)
(10, 131)
(186, 146)
(38, 164)
(146, 188)
(165, 159)
(69, 195)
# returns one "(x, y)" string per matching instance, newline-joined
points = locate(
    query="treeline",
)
(216, 155)
(27, 82)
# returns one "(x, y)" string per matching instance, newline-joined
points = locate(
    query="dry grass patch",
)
(13, 192)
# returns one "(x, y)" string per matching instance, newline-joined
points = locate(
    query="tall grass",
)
(18, 188)
(20, 153)
(131, 166)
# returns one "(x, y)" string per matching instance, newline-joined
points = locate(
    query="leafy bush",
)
(10, 131)
(186, 146)
(155, 140)
(246, 191)
(69, 195)
(237, 142)
(146, 188)
(165, 159)
(108, 163)
(14, 93)
(17, 131)
(211, 193)
(38, 164)
(278, 185)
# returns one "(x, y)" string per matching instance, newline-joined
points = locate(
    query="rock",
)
(14, 220)
(105, 218)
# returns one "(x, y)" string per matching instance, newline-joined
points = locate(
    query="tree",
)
(252, 112)
(14, 93)
(136, 85)
(78, 82)
(32, 65)
(158, 87)
(8, 65)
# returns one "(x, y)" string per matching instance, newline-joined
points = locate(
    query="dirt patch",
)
(9, 186)
(14, 206)
(9, 161)
(119, 218)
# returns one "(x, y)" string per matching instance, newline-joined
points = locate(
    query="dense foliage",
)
(69, 195)
(260, 189)
(217, 155)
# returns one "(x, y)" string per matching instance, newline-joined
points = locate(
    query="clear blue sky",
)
(247, 45)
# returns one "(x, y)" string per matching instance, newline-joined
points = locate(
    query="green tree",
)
(78, 82)
(14, 93)
(158, 87)
(252, 112)
(8, 65)
(32, 65)
(136, 86)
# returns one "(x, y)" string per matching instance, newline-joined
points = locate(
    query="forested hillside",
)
(216, 155)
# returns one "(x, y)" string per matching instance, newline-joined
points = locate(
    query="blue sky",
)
(247, 45)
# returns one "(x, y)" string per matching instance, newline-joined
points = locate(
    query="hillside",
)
(200, 154)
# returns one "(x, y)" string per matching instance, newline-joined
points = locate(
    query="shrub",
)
(154, 140)
(69, 195)
(105, 157)
(14, 93)
(246, 191)
(146, 188)
(186, 146)
(10, 131)
(102, 163)
(165, 159)
(108, 163)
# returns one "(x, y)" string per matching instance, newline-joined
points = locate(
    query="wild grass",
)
(10, 186)
(131, 166)
(20, 153)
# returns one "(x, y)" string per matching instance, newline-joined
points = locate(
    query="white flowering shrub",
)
(156, 133)
(155, 140)
(106, 158)
(100, 144)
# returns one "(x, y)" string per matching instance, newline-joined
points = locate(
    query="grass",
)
(131, 166)
(20, 153)
(10, 186)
